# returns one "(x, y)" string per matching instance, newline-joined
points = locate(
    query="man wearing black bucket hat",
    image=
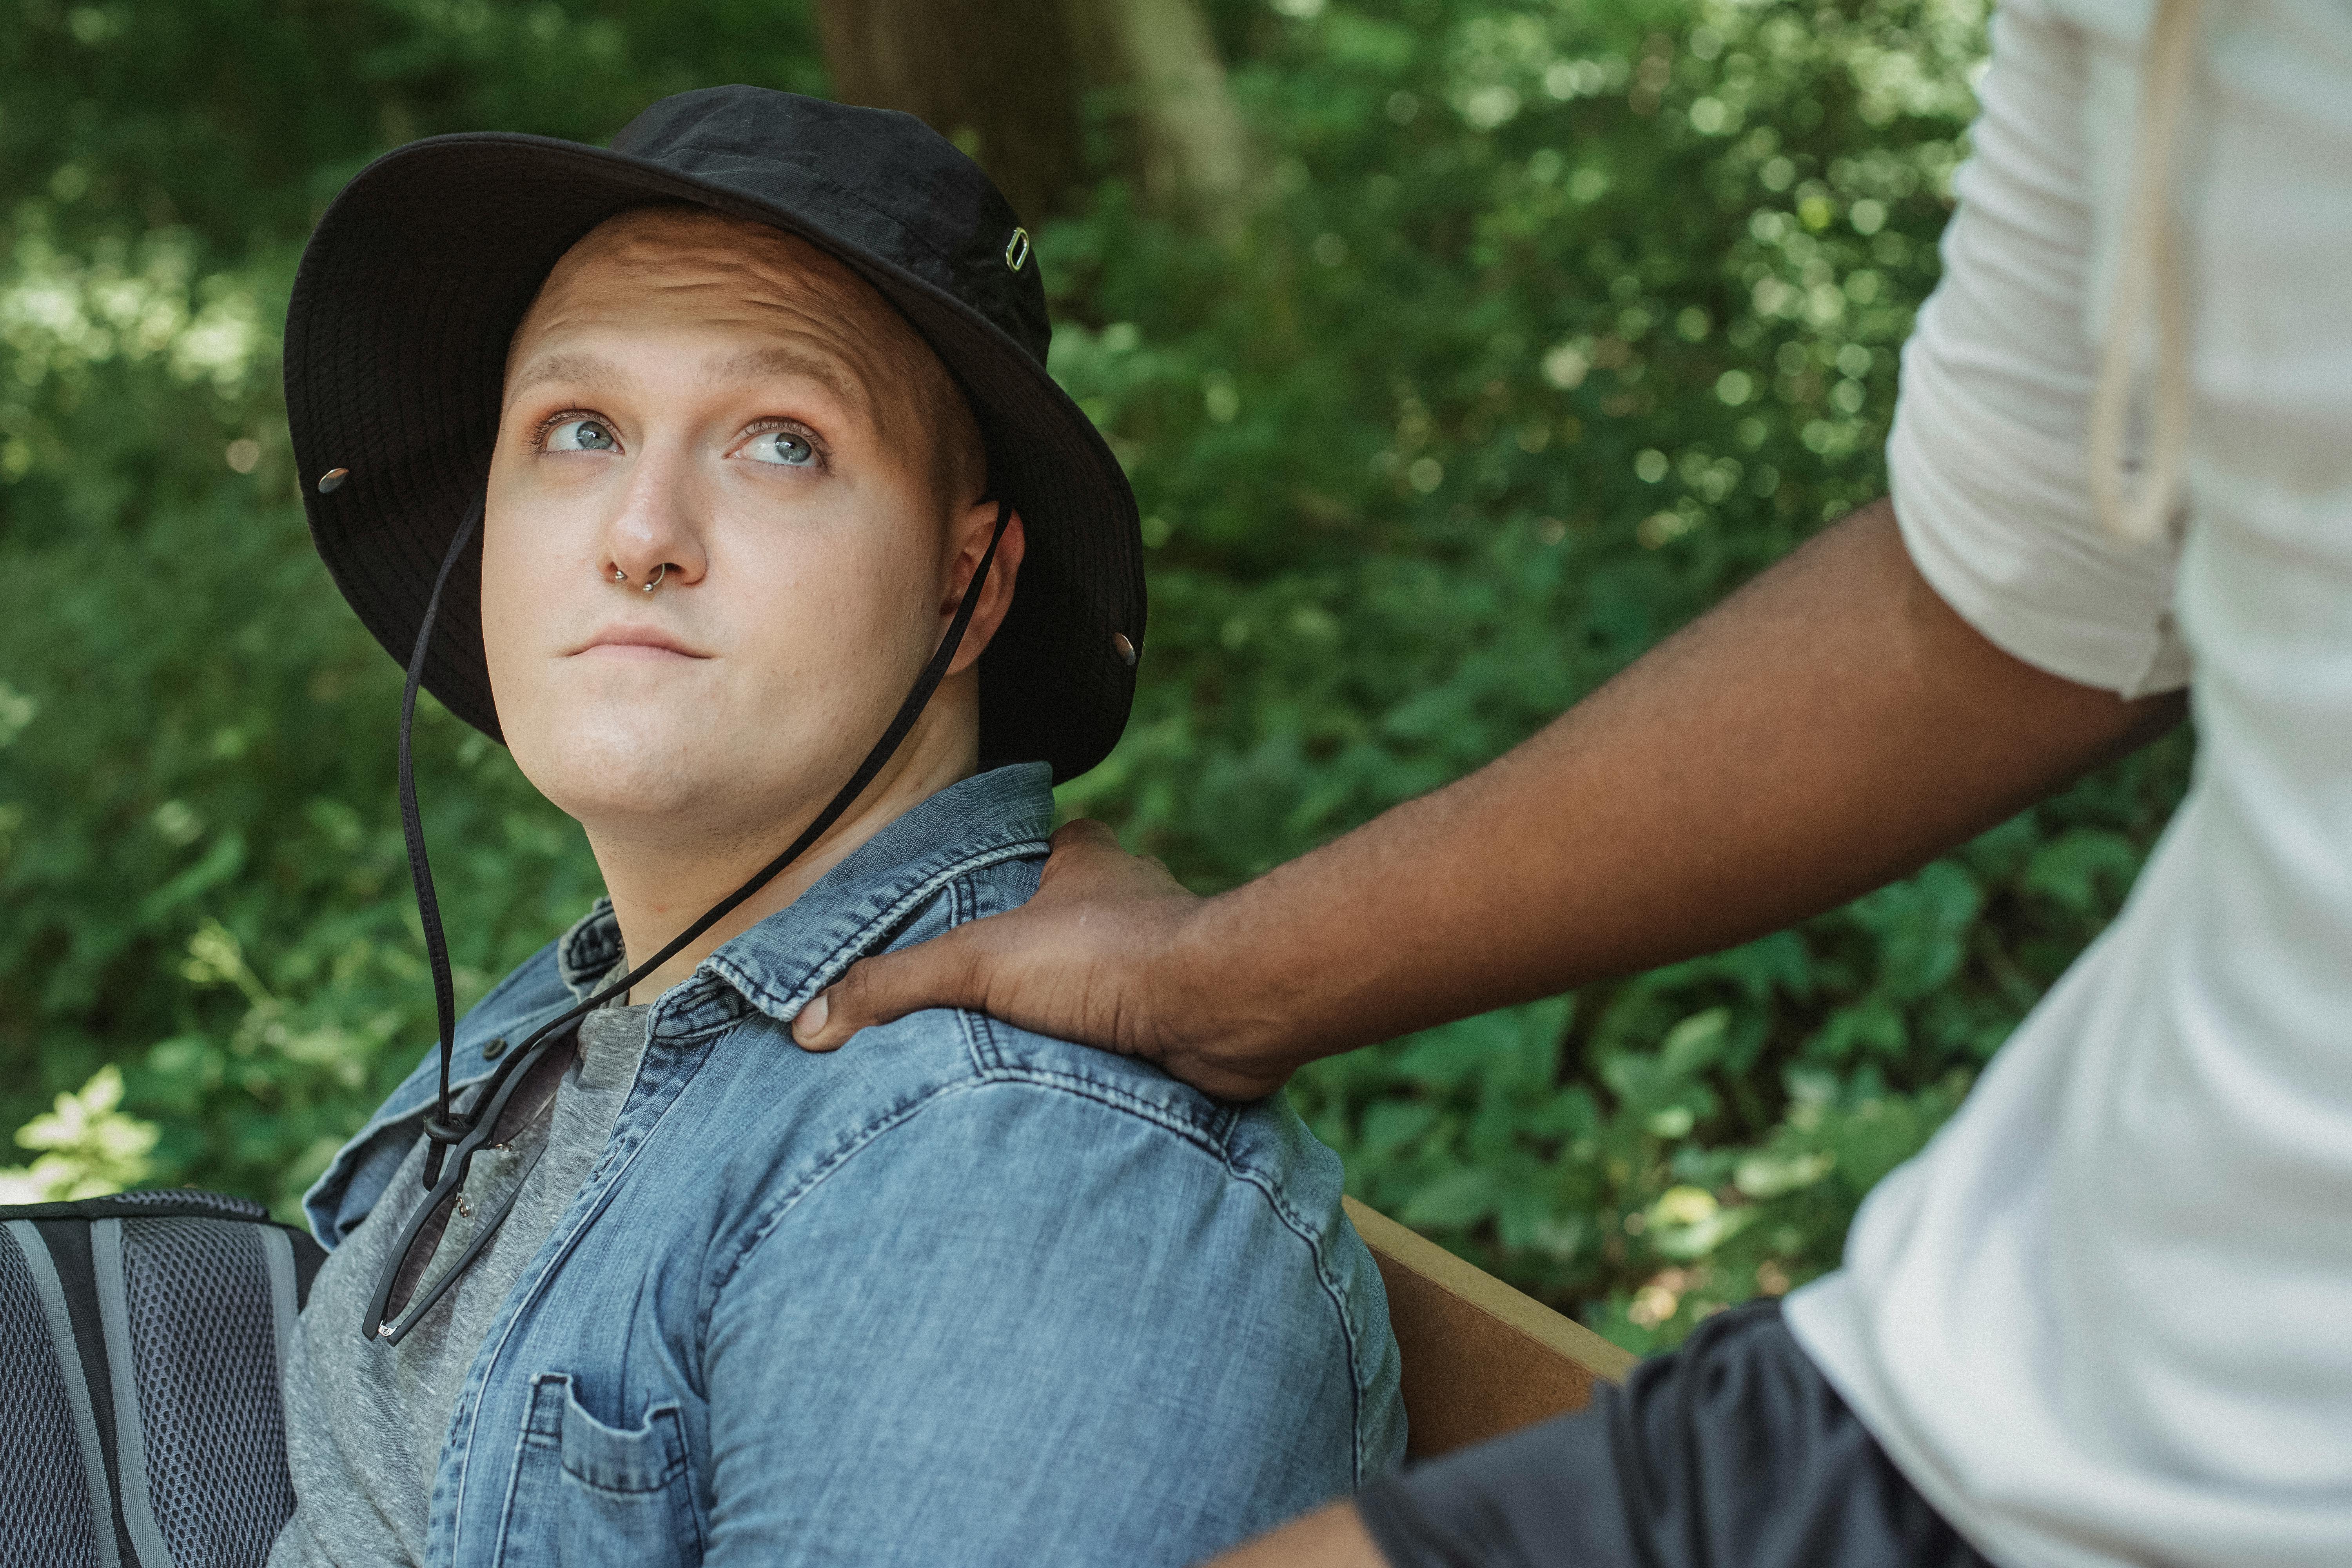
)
(688, 468)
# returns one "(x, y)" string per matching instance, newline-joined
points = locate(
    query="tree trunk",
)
(997, 80)
(1005, 82)
(1190, 153)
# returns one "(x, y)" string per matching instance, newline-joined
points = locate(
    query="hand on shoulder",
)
(1104, 955)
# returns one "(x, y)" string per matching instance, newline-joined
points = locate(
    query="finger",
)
(1086, 855)
(808, 1025)
(1083, 832)
(1088, 862)
(880, 990)
(1332, 1537)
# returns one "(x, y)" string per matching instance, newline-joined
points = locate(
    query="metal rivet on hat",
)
(1124, 649)
(1016, 250)
(332, 480)
(496, 1048)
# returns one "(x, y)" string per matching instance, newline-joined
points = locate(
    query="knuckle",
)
(1084, 830)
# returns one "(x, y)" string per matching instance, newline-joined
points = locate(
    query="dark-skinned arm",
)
(1829, 727)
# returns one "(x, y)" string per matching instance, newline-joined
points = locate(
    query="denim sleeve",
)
(1023, 1325)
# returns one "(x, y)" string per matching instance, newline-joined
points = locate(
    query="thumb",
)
(889, 986)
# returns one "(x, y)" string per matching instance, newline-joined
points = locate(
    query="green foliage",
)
(88, 1147)
(1552, 324)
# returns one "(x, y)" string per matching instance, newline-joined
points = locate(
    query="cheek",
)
(505, 610)
(834, 633)
(531, 586)
(804, 622)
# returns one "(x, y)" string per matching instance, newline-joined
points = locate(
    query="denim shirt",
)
(957, 1293)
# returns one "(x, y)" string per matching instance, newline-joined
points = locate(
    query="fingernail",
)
(811, 1022)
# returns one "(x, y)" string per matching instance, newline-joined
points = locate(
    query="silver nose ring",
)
(655, 581)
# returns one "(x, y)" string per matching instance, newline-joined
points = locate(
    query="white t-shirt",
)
(2106, 1316)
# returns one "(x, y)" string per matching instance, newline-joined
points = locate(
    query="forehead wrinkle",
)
(851, 337)
(593, 372)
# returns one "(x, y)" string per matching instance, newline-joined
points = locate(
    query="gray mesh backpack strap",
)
(142, 1340)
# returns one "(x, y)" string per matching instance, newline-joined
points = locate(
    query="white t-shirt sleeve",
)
(1989, 456)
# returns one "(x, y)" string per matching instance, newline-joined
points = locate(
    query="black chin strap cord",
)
(446, 1129)
(412, 826)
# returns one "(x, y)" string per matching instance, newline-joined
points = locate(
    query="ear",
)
(968, 535)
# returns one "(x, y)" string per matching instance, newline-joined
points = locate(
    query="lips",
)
(638, 642)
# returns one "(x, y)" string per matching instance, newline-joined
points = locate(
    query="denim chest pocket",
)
(585, 1494)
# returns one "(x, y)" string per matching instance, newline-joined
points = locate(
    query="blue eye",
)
(782, 446)
(580, 435)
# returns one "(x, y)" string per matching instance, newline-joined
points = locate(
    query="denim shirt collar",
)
(585, 955)
(778, 964)
(774, 968)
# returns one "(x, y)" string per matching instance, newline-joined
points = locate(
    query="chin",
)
(590, 794)
(625, 760)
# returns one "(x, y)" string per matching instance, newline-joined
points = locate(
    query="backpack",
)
(142, 1340)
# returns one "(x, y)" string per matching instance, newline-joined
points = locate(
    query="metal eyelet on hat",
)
(332, 480)
(1016, 250)
(1124, 649)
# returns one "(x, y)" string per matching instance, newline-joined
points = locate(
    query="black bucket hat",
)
(417, 276)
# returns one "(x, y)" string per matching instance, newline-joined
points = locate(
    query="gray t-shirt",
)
(364, 1422)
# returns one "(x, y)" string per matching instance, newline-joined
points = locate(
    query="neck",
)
(662, 883)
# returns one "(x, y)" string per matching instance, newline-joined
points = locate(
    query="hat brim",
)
(396, 341)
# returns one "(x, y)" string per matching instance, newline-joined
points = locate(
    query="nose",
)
(653, 538)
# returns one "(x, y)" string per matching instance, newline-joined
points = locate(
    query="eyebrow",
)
(782, 359)
(594, 370)
(588, 369)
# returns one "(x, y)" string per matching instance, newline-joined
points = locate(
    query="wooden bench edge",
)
(1475, 1287)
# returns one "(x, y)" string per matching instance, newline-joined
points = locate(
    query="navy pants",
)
(1732, 1450)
